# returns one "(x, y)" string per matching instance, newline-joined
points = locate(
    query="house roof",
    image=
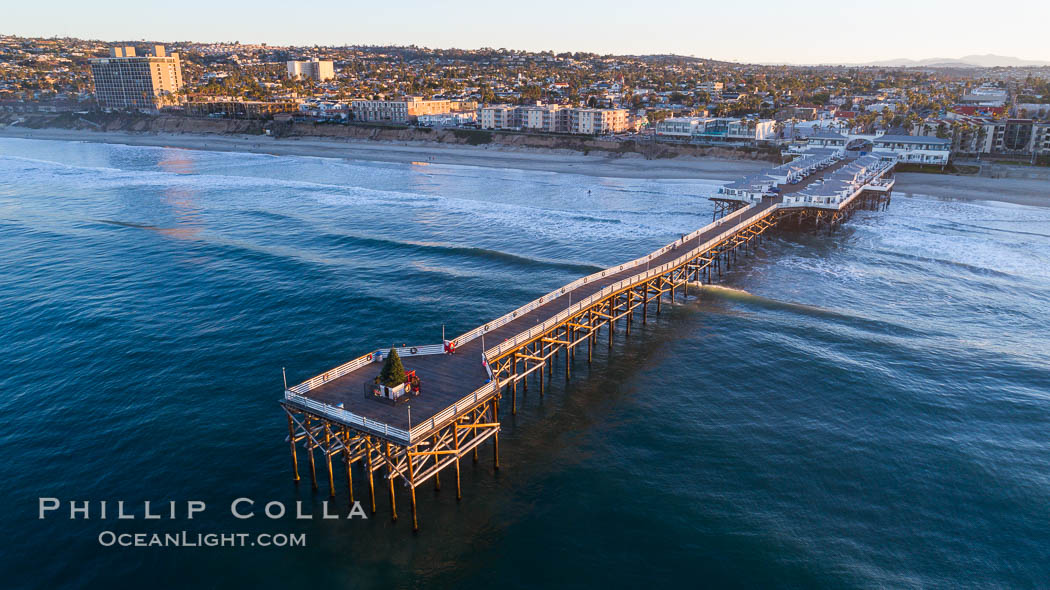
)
(911, 139)
(825, 134)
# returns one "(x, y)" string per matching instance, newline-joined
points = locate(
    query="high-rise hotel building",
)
(127, 81)
(315, 69)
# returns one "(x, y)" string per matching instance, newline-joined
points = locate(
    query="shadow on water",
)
(751, 300)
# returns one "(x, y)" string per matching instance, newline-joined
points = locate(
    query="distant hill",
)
(981, 61)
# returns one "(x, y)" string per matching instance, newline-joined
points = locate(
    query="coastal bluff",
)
(137, 123)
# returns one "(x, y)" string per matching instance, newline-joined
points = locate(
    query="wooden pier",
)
(334, 417)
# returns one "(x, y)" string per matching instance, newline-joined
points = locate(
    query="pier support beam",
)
(390, 481)
(328, 459)
(514, 384)
(349, 465)
(310, 449)
(495, 437)
(572, 347)
(411, 488)
(590, 353)
(542, 388)
(568, 354)
(630, 312)
(437, 474)
(371, 474)
(455, 446)
(291, 440)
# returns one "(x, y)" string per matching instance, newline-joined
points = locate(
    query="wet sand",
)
(1023, 191)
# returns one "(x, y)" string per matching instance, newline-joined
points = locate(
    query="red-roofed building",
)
(978, 110)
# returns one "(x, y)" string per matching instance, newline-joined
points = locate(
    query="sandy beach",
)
(1021, 191)
(1024, 191)
(616, 166)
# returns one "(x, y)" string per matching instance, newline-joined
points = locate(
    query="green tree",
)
(393, 373)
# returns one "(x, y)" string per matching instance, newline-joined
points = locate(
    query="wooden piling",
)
(630, 312)
(455, 446)
(349, 465)
(390, 481)
(572, 339)
(495, 437)
(291, 440)
(371, 475)
(310, 449)
(542, 369)
(411, 488)
(567, 355)
(437, 474)
(590, 350)
(514, 384)
(328, 459)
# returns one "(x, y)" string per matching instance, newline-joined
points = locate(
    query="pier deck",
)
(458, 407)
(445, 378)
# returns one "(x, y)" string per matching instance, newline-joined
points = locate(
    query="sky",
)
(755, 31)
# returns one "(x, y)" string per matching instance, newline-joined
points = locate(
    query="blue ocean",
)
(865, 409)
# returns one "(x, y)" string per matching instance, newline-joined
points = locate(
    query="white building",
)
(915, 149)
(986, 95)
(827, 139)
(497, 117)
(597, 121)
(718, 128)
(447, 119)
(315, 69)
(553, 119)
(749, 188)
(125, 80)
(680, 126)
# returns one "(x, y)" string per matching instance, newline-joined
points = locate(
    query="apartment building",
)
(125, 80)
(241, 109)
(498, 117)
(552, 118)
(718, 128)
(314, 69)
(1018, 137)
(598, 121)
(679, 126)
(447, 119)
(1021, 137)
(406, 110)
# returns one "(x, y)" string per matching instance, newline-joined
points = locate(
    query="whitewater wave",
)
(440, 248)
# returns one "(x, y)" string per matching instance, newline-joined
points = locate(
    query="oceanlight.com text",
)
(188, 539)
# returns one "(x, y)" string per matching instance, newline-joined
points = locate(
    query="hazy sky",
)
(749, 31)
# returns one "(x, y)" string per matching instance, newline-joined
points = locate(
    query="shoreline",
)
(1019, 191)
(546, 160)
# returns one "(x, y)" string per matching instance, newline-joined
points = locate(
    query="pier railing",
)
(533, 332)
(345, 417)
(467, 401)
(569, 288)
(406, 436)
(361, 361)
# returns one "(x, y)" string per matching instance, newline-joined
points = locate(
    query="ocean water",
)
(864, 409)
